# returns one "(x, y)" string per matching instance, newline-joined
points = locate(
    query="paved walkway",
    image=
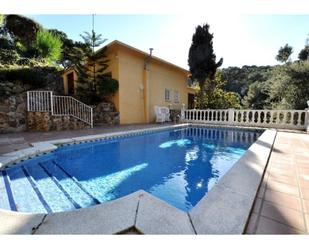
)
(282, 204)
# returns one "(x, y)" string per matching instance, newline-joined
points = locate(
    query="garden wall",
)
(44, 121)
(12, 108)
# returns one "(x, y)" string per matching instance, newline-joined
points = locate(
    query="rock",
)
(105, 113)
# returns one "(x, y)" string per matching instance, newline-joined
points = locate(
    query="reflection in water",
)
(179, 142)
(110, 182)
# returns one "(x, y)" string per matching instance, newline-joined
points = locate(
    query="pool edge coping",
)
(192, 216)
(39, 148)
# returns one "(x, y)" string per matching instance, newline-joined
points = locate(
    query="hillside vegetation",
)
(283, 86)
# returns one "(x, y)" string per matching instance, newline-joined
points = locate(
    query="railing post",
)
(307, 120)
(231, 116)
(28, 101)
(182, 114)
(91, 117)
(51, 103)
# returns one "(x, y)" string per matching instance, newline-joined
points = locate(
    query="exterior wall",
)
(163, 77)
(141, 89)
(131, 94)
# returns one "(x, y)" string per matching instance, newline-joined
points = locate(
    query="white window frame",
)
(176, 97)
(168, 95)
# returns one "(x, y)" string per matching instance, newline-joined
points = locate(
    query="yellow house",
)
(144, 82)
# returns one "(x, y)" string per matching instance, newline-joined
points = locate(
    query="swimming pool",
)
(177, 165)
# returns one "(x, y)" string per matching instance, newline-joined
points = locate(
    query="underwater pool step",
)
(36, 189)
(94, 199)
(49, 192)
(24, 196)
(54, 179)
(4, 200)
(7, 185)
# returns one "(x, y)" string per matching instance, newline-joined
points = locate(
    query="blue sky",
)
(240, 39)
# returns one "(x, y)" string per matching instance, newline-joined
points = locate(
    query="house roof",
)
(145, 54)
(116, 42)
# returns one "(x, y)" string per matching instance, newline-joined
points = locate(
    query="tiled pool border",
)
(225, 209)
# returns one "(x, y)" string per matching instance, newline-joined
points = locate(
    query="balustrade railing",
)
(45, 101)
(286, 119)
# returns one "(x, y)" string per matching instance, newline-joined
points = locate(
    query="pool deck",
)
(281, 205)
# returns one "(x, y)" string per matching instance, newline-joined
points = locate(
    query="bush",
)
(108, 87)
(35, 77)
(8, 56)
(48, 46)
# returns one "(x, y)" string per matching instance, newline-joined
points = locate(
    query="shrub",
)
(35, 77)
(8, 56)
(48, 46)
(108, 87)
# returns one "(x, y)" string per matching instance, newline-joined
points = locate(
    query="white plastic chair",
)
(166, 113)
(160, 117)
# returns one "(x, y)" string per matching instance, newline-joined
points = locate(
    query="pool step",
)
(4, 200)
(10, 198)
(52, 197)
(77, 183)
(42, 187)
(23, 197)
(36, 189)
(68, 185)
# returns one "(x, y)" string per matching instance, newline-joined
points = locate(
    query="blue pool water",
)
(179, 166)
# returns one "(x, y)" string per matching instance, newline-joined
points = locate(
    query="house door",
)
(190, 100)
(70, 80)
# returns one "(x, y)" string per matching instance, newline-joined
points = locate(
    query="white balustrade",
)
(285, 119)
(45, 101)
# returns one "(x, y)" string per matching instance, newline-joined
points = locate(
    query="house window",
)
(176, 97)
(168, 94)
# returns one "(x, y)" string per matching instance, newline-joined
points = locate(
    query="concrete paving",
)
(282, 203)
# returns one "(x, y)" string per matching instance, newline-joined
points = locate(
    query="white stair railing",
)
(45, 101)
(286, 119)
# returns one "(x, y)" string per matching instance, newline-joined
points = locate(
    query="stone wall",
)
(14, 116)
(13, 111)
(105, 113)
(44, 121)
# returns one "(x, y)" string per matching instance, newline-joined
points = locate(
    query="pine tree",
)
(91, 66)
(284, 53)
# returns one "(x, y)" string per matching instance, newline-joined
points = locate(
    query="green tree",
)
(202, 59)
(94, 82)
(67, 46)
(23, 29)
(216, 97)
(47, 46)
(284, 53)
(257, 96)
(1, 19)
(304, 54)
(289, 88)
